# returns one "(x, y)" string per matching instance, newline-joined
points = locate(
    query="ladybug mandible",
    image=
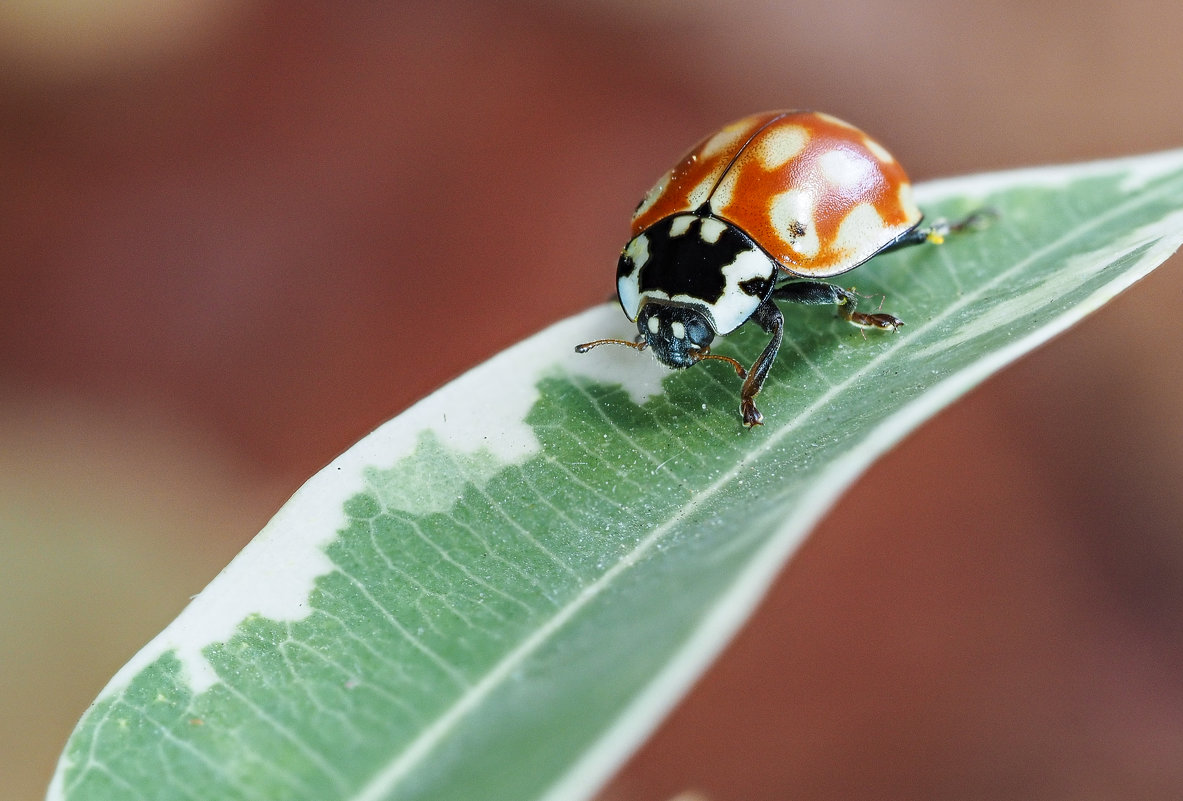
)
(757, 213)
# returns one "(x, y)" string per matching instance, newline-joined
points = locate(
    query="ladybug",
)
(756, 213)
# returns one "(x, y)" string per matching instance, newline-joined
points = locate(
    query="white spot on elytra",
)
(698, 195)
(879, 150)
(781, 144)
(724, 192)
(711, 230)
(653, 194)
(908, 203)
(861, 233)
(726, 138)
(653, 324)
(678, 329)
(791, 212)
(845, 170)
(821, 115)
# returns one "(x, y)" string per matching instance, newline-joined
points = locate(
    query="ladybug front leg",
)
(768, 317)
(819, 293)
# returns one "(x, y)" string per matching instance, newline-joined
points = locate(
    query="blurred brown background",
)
(234, 237)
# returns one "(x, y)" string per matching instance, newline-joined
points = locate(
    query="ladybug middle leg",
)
(819, 293)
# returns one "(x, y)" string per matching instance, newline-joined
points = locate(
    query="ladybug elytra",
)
(756, 213)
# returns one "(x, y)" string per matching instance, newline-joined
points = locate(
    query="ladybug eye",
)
(697, 331)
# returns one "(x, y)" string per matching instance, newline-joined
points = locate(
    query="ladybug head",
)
(678, 335)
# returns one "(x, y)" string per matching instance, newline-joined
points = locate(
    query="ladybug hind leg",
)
(819, 293)
(940, 229)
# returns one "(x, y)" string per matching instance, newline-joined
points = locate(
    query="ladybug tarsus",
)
(877, 320)
(750, 414)
(882, 322)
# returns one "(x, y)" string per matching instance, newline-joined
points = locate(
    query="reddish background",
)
(236, 237)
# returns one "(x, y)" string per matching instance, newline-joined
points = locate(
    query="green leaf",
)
(499, 594)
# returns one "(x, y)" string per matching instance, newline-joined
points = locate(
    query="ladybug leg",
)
(940, 229)
(819, 293)
(768, 317)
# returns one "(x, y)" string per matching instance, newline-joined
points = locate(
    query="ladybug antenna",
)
(739, 368)
(702, 354)
(586, 346)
